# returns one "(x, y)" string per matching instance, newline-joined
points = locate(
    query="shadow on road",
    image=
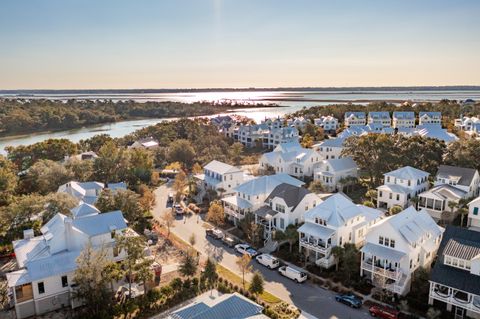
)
(214, 249)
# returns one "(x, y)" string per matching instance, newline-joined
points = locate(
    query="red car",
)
(383, 312)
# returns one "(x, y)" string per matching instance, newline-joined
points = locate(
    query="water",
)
(290, 101)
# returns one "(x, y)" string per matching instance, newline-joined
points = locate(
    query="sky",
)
(115, 44)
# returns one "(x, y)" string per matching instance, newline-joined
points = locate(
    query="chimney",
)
(69, 233)
(28, 233)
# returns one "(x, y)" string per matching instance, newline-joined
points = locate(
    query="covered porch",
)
(236, 208)
(265, 216)
(454, 297)
(317, 240)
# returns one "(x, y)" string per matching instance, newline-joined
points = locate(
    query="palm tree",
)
(452, 206)
(337, 252)
(463, 212)
(415, 201)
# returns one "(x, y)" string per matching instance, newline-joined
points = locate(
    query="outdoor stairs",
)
(270, 246)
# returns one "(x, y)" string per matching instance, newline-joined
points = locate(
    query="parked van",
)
(268, 261)
(292, 273)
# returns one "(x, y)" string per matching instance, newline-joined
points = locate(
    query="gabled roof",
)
(83, 210)
(360, 115)
(407, 172)
(446, 191)
(341, 164)
(337, 209)
(451, 276)
(331, 142)
(404, 115)
(292, 195)
(379, 115)
(394, 188)
(430, 114)
(463, 175)
(100, 224)
(266, 184)
(413, 225)
(435, 131)
(221, 168)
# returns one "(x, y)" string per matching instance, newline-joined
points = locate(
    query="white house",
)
(330, 148)
(434, 131)
(466, 123)
(221, 177)
(436, 201)
(400, 186)
(355, 118)
(455, 277)
(397, 246)
(380, 118)
(264, 135)
(285, 206)
(426, 118)
(291, 158)
(299, 122)
(330, 172)
(473, 214)
(403, 119)
(88, 192)
(251, 194)
(148, 143)
(46, 263)
(335, 222)
(85, 156)
(328, 123)
(465, 179)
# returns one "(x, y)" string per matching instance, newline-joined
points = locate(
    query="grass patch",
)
(237, 280)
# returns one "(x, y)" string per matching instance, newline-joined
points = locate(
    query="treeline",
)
(450, 109)
(24, 116)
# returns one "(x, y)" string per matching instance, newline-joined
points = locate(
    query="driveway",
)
(307, 297)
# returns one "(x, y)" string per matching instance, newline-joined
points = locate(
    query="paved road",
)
(308, 297)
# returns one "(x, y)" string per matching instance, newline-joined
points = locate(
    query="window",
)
(340, 241)
(392, 243)
(280, 208)
(398, 197)
(64, 281)
(282, 223)
(41, 288)
(390, 195)
(380, 194)
(475, 211)
(380, 240)
(387, 242)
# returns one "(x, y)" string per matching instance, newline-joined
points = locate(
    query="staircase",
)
(269, 247)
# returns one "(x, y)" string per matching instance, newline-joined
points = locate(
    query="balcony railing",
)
(230, 211)
(320, 247)
(394, 274)
(451, 296)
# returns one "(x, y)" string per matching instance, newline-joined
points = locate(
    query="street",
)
(308, 297)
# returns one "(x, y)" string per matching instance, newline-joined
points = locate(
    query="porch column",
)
(430, 299)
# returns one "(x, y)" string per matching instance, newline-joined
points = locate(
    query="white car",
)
(292, 273)
(268, 261)
(245, 249)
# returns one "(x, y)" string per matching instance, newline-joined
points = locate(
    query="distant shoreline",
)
(355, 89)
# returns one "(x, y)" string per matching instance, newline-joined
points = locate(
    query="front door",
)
(459, 313)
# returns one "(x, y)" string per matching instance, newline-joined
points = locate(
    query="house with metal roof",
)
(335, 222)
(265, 136)
(463, 178)
(434, 131)
(400, 186)
(332, 171)
(455, 277)
(284, 206)
(355, 118)
(437, 201)
(380, 118)
(328, 123)
(397, 246)
(46, 263)
(430, 118)
(467, 123)
(403, 119)
(88, 192)
(221, 177)
(148, 143)
(291, 158)
(251, 195)
(330, 148)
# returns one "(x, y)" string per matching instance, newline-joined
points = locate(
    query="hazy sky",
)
(242, 43)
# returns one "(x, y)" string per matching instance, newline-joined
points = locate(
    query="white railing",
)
(391, 274)
(230, 211)
(472, 304)
(323, 249)
(325, 262)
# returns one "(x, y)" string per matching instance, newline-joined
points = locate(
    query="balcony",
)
(315, 245)
(234, 213)
(379, 269)
(455, 297)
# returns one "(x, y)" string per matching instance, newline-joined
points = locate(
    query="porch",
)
(265, 216)
(236, 208)
(454, 297)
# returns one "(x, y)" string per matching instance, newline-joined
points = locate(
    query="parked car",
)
(292, 273)
(384, 312)
(178, 209)
(170, 198)
(215, 233)
(268, 261)
(245, 249)
(349, 300)
(229, 241)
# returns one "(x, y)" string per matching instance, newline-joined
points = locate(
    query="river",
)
(288, 101)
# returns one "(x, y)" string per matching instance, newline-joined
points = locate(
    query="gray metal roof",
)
(451, 276)
(466, 174)
(316, 230)
(265, 212)
(292, 195)
(383, 252)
